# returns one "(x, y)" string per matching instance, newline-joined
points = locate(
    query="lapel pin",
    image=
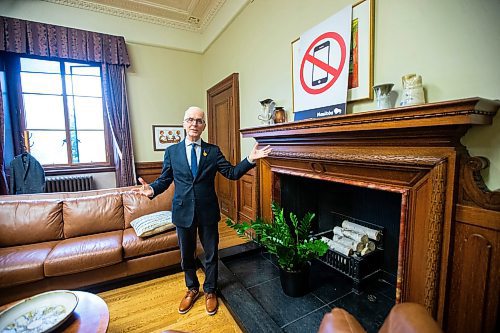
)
(205, 153)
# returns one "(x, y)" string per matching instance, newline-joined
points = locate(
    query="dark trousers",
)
(209, 237)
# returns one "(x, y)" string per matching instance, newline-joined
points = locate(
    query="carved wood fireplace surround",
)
(449, 243)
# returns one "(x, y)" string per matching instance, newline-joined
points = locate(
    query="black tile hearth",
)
(368, 309)
(245, 266)
(308, 323)
(283, 309)
(381, 288)
(245, 309)
(250, 285)
(327, 284)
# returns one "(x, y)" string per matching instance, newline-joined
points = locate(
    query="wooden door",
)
(223, 116)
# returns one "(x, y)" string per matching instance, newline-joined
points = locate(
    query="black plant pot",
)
(295, 284)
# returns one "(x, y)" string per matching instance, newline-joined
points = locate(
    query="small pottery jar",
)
(413, 91)
(279, 115)
(382, 92)
(267, 114)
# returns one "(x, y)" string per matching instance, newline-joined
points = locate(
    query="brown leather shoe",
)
(211, 303)
(188, 300)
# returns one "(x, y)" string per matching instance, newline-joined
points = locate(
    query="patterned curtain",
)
(12, 143)
(116, 105)
(14, 106)
(47, 40)
(3, 180)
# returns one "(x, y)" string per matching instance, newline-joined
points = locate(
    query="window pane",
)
(74, 68)
(87, 111)
(48, 147)
(44, 95)
(75, 140)
(69, 85)
(44, 111)
(91, 147)
(41, 83)
(83, 85)
(35, 65)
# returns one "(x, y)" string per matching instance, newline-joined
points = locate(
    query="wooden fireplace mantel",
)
(450, 222)
(459, 115)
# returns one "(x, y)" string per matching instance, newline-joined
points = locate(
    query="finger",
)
(255, 146)
(142, 181)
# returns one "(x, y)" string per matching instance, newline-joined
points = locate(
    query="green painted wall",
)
(162, 84)
(452, 44)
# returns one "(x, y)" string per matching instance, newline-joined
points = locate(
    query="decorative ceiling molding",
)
(189, 15)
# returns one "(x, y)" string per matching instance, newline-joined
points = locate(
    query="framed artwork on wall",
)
(361, 54)
(167, 135)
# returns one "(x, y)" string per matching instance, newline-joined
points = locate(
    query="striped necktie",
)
(194, 160)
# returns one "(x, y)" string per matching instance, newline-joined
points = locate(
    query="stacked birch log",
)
(352, 238)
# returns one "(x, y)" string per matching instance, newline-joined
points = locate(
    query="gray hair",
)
(194, 108)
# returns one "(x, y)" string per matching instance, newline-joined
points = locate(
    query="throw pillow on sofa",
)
(152, 224)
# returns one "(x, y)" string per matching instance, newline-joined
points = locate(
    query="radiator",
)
(68, 184)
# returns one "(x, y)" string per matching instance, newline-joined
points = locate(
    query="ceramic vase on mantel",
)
(279, 115)
(267, 114)
(413, 91)
(382, 97)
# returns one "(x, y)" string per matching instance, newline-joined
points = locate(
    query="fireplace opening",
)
(335, 202)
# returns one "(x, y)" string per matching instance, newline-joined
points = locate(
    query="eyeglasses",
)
(197, 121)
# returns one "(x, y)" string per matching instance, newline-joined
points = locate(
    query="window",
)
(63, 113)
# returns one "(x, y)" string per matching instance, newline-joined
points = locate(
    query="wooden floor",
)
(151, 306)
(228, 237)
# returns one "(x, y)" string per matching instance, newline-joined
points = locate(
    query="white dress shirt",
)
(189, 148)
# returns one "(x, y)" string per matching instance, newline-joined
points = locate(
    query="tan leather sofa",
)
(71, 240)
(403, 318)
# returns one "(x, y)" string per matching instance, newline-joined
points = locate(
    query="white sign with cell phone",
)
(321, 68)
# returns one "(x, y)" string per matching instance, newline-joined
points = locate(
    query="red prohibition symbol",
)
(334, 72)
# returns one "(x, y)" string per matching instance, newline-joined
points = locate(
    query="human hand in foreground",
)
(255, 154)
(145, 189)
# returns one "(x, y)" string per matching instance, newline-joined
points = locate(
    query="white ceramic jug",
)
(268, 106)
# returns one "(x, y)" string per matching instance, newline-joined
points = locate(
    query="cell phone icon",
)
(322, 53)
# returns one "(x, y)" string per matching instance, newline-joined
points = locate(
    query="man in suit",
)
(192, 165)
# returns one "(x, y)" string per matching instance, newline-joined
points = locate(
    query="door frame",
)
(230, 82)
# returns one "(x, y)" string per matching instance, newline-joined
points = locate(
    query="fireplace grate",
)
(356, 267)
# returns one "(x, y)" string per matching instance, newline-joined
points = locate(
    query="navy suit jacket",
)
(26, 175)
(196, 195)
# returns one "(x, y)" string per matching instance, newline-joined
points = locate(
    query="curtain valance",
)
(48, 40)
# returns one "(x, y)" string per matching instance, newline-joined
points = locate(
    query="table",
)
(90, 315)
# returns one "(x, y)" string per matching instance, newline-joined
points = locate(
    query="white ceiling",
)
(190, 15)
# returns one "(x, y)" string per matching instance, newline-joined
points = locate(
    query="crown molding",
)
(205, 21)
(190, 25)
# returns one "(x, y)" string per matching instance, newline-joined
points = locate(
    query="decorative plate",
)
(40, 313)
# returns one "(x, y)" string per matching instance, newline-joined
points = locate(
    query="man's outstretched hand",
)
(255, 154)
(145, 189)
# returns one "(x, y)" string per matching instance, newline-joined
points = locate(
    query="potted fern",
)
(290, 242)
